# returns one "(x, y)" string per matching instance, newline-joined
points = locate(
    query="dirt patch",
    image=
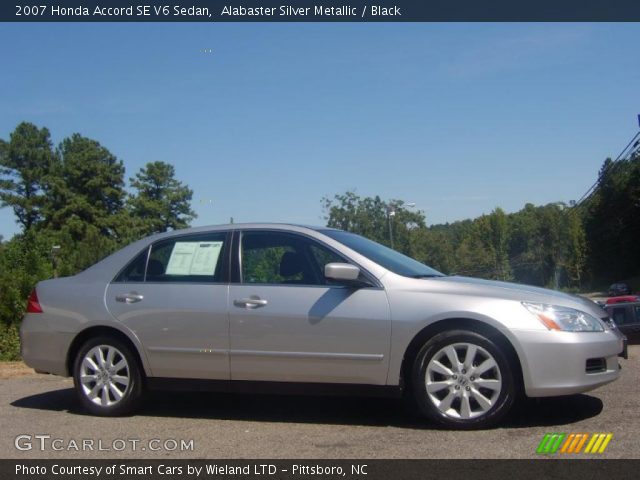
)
(14, 369)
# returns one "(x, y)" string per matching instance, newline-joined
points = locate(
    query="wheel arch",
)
(462, 323)
(102, 330)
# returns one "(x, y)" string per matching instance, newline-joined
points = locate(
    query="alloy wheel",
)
(463, 381)
(104, 375)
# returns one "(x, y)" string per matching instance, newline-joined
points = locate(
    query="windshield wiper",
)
(425, 275)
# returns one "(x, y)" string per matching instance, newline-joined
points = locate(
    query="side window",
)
(637, 312)
(134, 272)
(619, 315)
(283, 258)
(322, 256)
(192, 258)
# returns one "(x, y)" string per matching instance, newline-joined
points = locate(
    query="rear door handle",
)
(131, 297)
(252, 302)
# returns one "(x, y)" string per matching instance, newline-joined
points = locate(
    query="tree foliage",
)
(538, 245)
(73, 197)
(385, 222)
(612, 220)
(161, 202)
(25, 162)
(85, 189)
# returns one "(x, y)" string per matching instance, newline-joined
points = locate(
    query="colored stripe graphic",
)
(573, 443)
(598, 443)
(550, 443)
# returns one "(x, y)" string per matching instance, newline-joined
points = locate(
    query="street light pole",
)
(391, 212)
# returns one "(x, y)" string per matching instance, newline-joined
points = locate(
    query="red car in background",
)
(622, 299)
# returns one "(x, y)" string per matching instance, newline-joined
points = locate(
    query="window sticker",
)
(194, 258)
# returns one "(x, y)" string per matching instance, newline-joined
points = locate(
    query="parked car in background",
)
(622, 299)
(618, 289)
(626, 316)
(280, 307)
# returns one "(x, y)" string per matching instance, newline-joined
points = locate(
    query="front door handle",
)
(131, 297)
(252, 302)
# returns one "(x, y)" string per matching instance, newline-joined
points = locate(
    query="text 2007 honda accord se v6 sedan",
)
(246, 307)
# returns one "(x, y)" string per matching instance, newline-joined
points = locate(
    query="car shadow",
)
(383, 412)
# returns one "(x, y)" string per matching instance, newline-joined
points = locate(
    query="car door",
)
(174, 297)
(290, 324)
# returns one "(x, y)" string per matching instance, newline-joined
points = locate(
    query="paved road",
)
(234, 426)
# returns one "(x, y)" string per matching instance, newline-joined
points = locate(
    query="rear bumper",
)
(555, 363)
(41, 348)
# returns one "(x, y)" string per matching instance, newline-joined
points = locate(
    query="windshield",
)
(383, 256)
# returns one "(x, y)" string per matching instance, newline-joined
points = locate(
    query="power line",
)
(608, 169)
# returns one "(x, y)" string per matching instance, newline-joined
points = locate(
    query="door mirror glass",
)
(341, 271)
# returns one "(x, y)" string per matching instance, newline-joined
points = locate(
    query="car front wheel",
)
(463, 380)
(107, 377)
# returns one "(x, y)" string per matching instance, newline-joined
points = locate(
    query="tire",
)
(107, 377)
(473, 393)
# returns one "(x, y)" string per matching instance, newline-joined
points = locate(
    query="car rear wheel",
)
(463, 380)
(107, 377)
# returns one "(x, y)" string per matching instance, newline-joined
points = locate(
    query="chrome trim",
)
(215, 351)
(329, 356)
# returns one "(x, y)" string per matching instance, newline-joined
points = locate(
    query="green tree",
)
(525, 248)
(612, 221)
(84, 213)
(473, 257)
(576, 244)
(434, 247)
(86, 191)
(384, 222)
(25, 162)
(495, 232)
(160, 202)
(23, 262)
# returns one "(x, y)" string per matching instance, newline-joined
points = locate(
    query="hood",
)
(512, 291)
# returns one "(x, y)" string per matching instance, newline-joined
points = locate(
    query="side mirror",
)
(341, 272)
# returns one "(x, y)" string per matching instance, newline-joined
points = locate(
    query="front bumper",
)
(555, 363)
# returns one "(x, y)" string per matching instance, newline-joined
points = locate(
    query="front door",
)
(290, 324)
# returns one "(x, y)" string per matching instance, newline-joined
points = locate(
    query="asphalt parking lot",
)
(243, 426)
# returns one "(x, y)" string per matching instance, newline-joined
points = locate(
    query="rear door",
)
(173, 296)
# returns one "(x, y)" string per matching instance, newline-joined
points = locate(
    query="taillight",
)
(33, 305)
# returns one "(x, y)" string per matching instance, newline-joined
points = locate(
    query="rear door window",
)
(184, 259)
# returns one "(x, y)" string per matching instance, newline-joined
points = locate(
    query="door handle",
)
(131, 297)
(252, 302)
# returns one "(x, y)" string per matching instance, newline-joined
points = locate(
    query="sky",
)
(262, 120)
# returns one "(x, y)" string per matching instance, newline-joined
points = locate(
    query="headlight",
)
(566, 319)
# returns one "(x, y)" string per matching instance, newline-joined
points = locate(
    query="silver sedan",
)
(271, 307)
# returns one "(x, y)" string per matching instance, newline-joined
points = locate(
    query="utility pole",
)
(390, 213)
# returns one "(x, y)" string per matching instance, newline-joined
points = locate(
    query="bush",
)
(9, 342)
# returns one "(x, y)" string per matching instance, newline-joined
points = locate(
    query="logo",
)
(574, 443)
